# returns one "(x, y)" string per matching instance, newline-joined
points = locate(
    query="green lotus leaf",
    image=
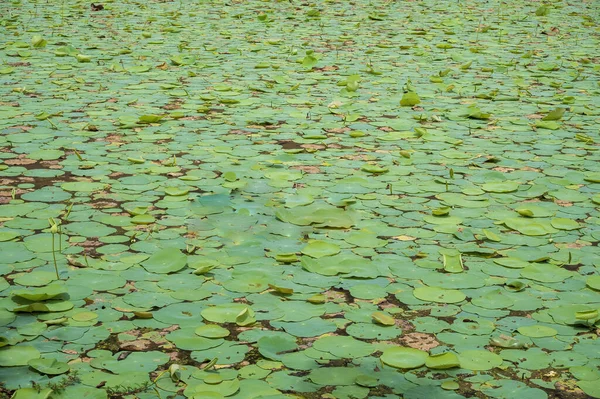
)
(537, 331)
(335, 375)
(138, 361)
(593, 282)
(312, 327)
(275, 347)
(150, 118)
(587, 315)
(512, 263)
(450, 385)
(593, 177)
(212, 331)
(82, 186)
(281, 290)
(410, 99)
(501, 187)
(368, 291)
(453, 262)
(327, 177)
(18, 355)
(554, 115)
(365, 238)
(323, 216)
(49, 366)
(366, 381)
(585, 373)
(176, 191)
(443, 211)
(41, 293)
(442, 361)
(32, 393)
(404, 358)
(45, 307)
(8, 235)
(490, 235)
(473, 326)
(286, 258)
(479, 360)
(186, 339)
(143, 219)
(375, 169)
(440, 295)
(343, 347)
(167, 260)
(565, 224)
(228, 313)
(530, 228)
(495, 299)
(474, 112)
(590, 388)
(545, 273)
(318, 249)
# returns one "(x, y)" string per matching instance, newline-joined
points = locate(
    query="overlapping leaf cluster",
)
(283, 199)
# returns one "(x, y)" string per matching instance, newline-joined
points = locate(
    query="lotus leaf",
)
(32, 393)
(48, 366)
(212, 331)
(404, 358)
(593, 282)
(343, 347)
(335, 375)
(318, 249)
(167, 260)
(338, 188)
(41, 293)
(537, 331)
(440, 295)
(18, 355)
(229, 313)
(274, 347)
(311, 327)
(479, 360)
(442, 361)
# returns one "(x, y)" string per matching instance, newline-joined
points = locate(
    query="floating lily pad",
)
(48, 366)
(42, 293)
(545, 273)
(32, 393)
(479, 360)
(82, 186)
(343, 347)
(537, 331)
(288, 192)
(212, 331)
(501, 187)
(404, 358)
(593, 282)
(318, 249)
(442, 361)
(8, 235)
(18, 355)
(440, 295)
(275, 347)
(36, 279)
(166, 260)
(590, 388)
(565, 224)
(229, 313)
